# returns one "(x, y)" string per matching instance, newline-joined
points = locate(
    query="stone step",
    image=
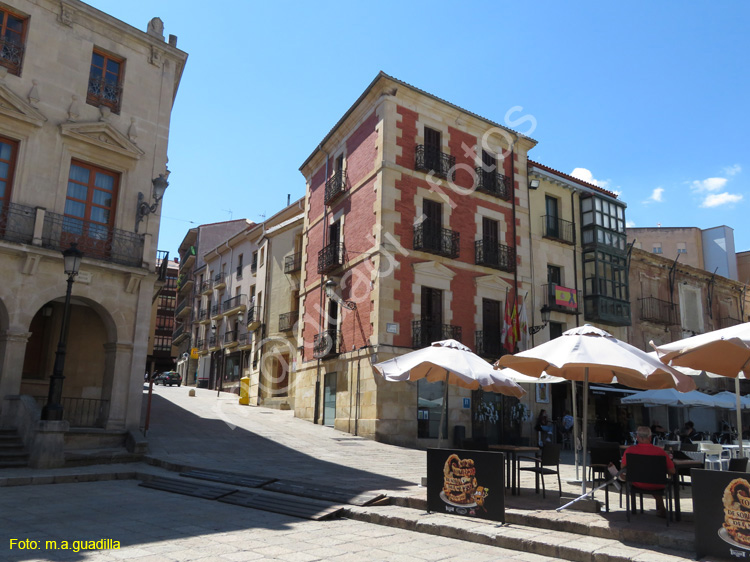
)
(14, 463)
(13, 455)
(559, 544)
(10, 445)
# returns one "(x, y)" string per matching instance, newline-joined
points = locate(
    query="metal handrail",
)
(440, 241)
(424, 332)
(429, 159)
(335, 186)
(659, 311)
(493, 183)
(331, 257)
(495, 255)
(293, 263)
(558, 229)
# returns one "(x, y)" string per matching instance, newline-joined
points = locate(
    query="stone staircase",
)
(12, 452)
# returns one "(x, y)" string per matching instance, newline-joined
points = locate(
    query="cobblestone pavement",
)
(154, 526)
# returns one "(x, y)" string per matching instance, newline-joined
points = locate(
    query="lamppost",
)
(53, 410)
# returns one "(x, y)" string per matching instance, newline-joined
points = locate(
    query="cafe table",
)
(511, 463)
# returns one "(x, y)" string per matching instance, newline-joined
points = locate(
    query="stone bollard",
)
(191, 392)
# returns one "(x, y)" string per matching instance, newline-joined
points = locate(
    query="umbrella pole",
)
(585, 427)
(444, 412)
(739, 412)
(574, 441)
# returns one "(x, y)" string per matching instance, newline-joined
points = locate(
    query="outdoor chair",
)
(601, 456)
(646, 469)
(716, 457)
(691, 447)
(550, 457)
(738, 464)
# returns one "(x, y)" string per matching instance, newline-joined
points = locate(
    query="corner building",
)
(416, 210)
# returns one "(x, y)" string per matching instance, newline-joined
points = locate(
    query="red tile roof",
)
(571, 178)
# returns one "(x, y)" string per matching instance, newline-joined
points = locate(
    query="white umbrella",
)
(725, 352)
(452, 362)
(670, 397)
(728, 400)
(588, 354)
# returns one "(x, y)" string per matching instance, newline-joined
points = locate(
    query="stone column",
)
(12, 354)
(116, 383)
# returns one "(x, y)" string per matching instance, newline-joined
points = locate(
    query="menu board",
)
(723, 500)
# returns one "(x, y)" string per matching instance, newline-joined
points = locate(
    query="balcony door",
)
(432, 149)
(8, 149)
(552, 227)
(432, 226)
(491, 326)
(490, 240)
(89, 208)
(489, 170)
(432, 315)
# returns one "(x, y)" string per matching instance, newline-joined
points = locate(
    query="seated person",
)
(688, 433)
(567, 422)
(644, 447)
(657, 429)
(543, 425)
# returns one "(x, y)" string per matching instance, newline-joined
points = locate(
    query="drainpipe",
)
(513, 198)
(575, 251)
(531, 254)
(316, 415)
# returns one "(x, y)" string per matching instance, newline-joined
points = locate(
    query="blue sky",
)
(647, 99)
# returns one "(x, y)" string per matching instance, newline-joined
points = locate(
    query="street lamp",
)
(160, 186)
(545, 320)
(53, 410)
(330, 288)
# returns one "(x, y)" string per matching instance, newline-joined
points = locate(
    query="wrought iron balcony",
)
(215, 311)
(335, 186)
(254, 317)
(230, 337)
(245, 339)
(239, 272)
(188, 258)
(17, 223)
(200, 344)
(104, 92)
(558, 229)
(184, 283)
(293, 263)
(493, 183)
(254, 267)
(213, 342)
(424, 332)
(220, 281)
(326, 344)
(561, 299)
(727, 321)
(494, 255)
(180, 334)
(11, 55)
(203, 315)
(95, 240)
(440, 241)
(182, 309)
(236, 303)
(331, 257)
(489, 344)
(206, 288)
(288, 320)
(428, 159)
(659, 311)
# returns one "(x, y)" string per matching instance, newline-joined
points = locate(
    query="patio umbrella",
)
(670, 397)
(589, 354)
(725, 352)
(452, 362)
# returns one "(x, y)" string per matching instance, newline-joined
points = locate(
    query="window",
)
(89, 206)
(8, 150)
(239, 266)
(657, 247)
(12, 39)
(105, 81)
(681, 248)
(603, 222)
(432, 148)
(429, 407)
(254, 265)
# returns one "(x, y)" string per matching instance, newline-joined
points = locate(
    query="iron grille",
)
(104, 92)
(239, 272)
(243, 338)
(293, 263)
(205, 286)
(95, 240)
(230, 337)
(495, 255)
(493, 183)
(219, 279)
(81, 412)
(288, 320)
(178, 331)
(234, 302)
(202, 314)
(331, 257)
(253, 314)
(17, 223)
(11, 55)
(200, 344)
(213, 341)
(440, 241)
(215, 310)
(489, 344)
(424, 332)
(558, 229)
(335, 186)
(326, 343)
(429, 159)
(658, 311)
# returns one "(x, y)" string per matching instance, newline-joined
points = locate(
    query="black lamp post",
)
(545, 320)
(53, 410)
(330, 287)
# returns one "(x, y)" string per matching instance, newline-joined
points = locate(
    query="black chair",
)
(601, 457)
(690, 447)
(646, 469)
(550, 456)
(738, 464)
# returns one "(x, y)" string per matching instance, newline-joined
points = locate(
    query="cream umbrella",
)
(452, 362)
(589, 354)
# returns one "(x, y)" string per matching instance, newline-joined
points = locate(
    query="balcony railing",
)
(200, 344)
(254, 317)
(17, 223)
(219, 280)
(215, 310)
(81, 412)
(206, 287)
(331, 257)
(239, 272)
(558, 229)
(244, 339)
(659, 311)
(184, 282)
(95, 240)
(202, 314)
(237, 301)
(727, 321)
(428, 159)
(104, 92)
(178, 332)
(326, 343)
(213, 342)
(424, 332)
(288, 320)
(561, 299)
(335, 186)
(489, 344)
(440, 241)
(254, 267)
(493, 183)
(182, 309)
(230, 337)
(495, 255)
(11, 55)
(293, 263)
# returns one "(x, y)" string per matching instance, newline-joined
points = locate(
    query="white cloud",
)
(717, 199)
(630, 224)
(656, 195)
(586, 175)
(732, 170)
(709, 184)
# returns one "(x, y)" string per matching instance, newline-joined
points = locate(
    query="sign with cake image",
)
(469, 483)
(723, 500)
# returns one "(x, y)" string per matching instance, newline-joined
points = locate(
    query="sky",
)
(647, 99)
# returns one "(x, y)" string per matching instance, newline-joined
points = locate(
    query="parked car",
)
(169, 378)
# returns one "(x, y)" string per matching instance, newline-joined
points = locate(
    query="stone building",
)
(85, 104)
(161, 353)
